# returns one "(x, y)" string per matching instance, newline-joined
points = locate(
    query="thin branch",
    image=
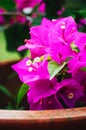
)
(11, 13)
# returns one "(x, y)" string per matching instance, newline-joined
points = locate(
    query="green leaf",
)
(5, 91)
(37, 21)
(74, 47)
(82, 12)
(15, 36)
(52, 6)
(84, 68)
(23, 90)
(7, 4)
(54, 68)
(75, 4)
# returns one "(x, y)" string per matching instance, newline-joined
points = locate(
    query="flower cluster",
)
(24, 12)
(27, 7)
(55, 70)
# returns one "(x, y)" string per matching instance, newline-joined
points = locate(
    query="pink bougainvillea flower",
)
(83, 21)
(12, 20)
(21, 19)
(2, 20)
(41, 95)
(42, 88)
(49, 94)
(40, 33)
(42, 7)
(57, 39)
(75, 64)
(47, 103)
(64, 30)
(51, 37)
(81, 78)
(36, 75)
(69, 91)
(61, 54)
(29, 71)
(18, 19)
(21, 4)
(35, 50)
(38, 44)
(77, 72)
(61, 36)
(26, 3)
(59, 12)
(80, 41)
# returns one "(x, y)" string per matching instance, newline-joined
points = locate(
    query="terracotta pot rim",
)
(43, 116)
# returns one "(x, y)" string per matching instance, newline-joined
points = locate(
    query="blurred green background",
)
(4, 53)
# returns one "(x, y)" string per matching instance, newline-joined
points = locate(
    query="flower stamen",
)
(63, 25)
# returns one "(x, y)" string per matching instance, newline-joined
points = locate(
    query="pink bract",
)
(21, 4)
(35, 71)
(2, 20)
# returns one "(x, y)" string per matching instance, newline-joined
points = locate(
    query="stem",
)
(11, 13)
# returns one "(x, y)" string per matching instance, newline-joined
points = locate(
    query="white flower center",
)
(27, 10)
(70, 95)
(28, 62)
(37, 59)
(30, 69)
